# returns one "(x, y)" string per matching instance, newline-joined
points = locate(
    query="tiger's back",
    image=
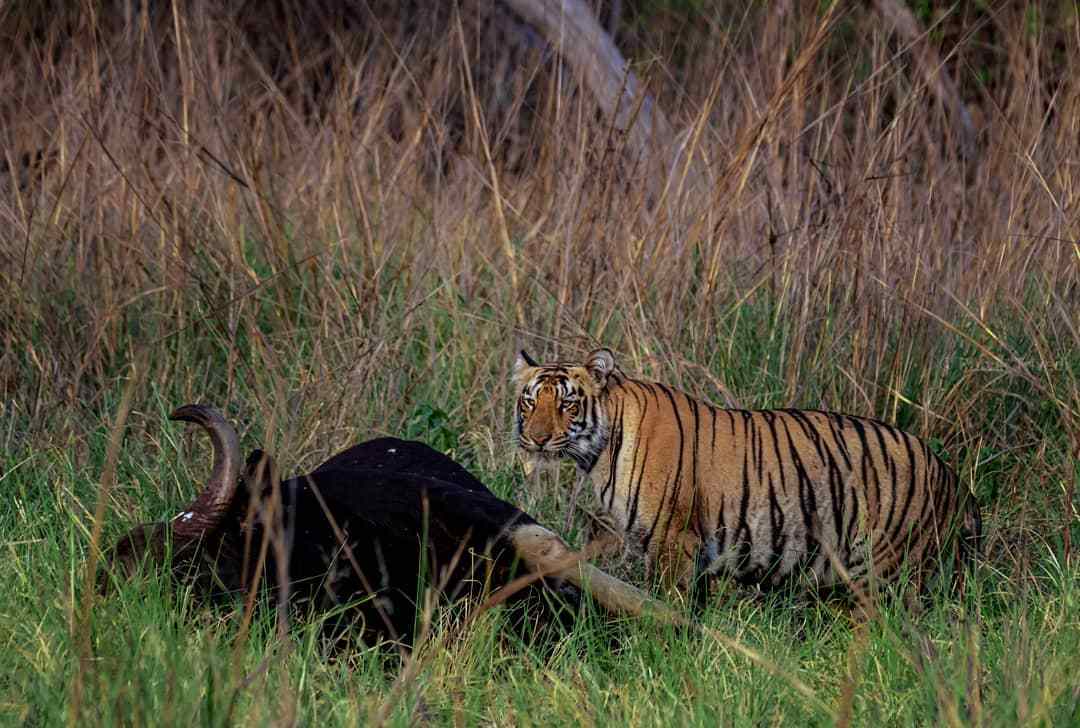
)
(761, 495)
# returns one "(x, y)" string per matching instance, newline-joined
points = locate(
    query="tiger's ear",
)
(600, 364)
(522, 363)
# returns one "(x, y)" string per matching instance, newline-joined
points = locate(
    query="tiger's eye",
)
(573, 408)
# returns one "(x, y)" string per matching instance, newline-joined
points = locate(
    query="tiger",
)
(761, 496)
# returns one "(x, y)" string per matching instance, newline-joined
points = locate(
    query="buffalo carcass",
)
(362, 535)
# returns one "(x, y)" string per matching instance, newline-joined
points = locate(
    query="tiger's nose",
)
(541, 440)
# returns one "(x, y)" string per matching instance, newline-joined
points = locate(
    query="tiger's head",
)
(558, 411)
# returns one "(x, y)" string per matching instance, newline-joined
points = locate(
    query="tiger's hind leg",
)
(868, 594)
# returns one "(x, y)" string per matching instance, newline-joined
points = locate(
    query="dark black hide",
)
(365, 535)
(403, 530)
(408, 457)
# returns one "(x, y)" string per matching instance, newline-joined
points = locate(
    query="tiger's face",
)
(558, 411)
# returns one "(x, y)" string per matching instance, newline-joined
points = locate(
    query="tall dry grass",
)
(197, 179)
(294, 215)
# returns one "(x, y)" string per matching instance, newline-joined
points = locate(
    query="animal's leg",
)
(674, 561)
(545, 552)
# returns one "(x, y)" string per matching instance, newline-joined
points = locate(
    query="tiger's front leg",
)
(604, 543)
(673, 562)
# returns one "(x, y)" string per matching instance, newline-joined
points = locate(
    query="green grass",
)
(354, 285)
(1000, 653)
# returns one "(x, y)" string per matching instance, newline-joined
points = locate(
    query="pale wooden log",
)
(570, 26)
(931, 67)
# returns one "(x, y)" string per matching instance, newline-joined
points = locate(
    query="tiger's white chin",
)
(530, 458)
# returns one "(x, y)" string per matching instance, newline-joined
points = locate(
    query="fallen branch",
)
(931, 67)
(572, 28)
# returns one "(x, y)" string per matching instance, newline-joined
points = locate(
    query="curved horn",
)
(545, 552)
(207, 510)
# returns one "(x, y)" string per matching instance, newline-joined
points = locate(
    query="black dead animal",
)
(363, 537)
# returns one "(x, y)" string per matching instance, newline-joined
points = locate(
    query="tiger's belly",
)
(769, 538)
(774, 558)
